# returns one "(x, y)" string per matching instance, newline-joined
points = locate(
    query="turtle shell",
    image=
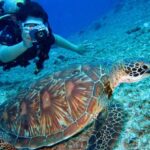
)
(55, 108)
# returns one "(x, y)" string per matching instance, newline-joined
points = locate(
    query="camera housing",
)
(39, 34)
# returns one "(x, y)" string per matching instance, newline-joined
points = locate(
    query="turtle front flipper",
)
(107, 128)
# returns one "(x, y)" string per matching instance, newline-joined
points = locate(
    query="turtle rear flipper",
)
(107, 129)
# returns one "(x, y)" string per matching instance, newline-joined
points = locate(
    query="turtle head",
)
(129, 72)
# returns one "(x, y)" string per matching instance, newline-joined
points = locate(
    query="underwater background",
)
(69, 16)
(119, 31)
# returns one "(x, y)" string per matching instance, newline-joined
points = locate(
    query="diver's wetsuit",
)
(10, 34)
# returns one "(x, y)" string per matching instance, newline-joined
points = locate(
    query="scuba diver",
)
(25, 34)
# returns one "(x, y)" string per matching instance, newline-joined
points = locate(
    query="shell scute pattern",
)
(56, 107)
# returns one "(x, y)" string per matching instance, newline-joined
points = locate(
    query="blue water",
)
(70, 16)
(124, 34)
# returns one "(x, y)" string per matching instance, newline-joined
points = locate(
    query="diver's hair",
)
(32, 9)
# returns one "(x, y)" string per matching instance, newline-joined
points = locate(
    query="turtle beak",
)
(148, 70)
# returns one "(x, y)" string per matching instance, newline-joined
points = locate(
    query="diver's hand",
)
(26, 38)
(84, 47)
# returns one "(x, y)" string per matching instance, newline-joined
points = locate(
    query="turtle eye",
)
(145, 67)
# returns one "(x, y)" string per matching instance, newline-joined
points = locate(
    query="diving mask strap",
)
(5, 16)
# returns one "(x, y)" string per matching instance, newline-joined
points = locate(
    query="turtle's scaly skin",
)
(6, 146)
(56, 107)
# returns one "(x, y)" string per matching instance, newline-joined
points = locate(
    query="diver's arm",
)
(62, 42)
(9, 53)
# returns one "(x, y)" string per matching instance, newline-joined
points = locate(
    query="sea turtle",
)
(68, 110)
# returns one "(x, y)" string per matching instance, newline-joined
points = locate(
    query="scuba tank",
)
(11, 6)
(8, 7)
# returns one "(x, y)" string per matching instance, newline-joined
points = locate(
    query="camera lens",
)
(40, 34)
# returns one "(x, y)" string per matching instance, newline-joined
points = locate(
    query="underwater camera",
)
(39, 33)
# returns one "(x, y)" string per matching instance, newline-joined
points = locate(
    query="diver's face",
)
(32, 21)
